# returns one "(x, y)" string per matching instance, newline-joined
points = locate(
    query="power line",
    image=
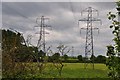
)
(18, 13)
(72, 9)
(8, 24)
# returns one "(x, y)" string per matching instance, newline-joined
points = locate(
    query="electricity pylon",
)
(41, 44)
(89, 50)
(72, 51)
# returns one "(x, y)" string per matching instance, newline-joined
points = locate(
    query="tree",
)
(100, 59)
(62, 49)
(65, 57)
(80, 58)
(113, 61)
(14, 52)
(57, 61)
(56, 56)
(41, 55)
(11, 47)
(92, 58)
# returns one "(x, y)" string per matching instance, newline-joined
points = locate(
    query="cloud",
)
(64, 18)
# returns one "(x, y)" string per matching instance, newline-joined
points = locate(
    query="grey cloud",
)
(64, 17)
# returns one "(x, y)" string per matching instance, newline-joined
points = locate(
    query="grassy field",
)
(74, 70)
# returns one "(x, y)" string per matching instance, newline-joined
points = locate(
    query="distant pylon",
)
(89, 51)
(72, 51)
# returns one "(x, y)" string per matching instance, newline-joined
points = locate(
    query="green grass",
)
(74, 70)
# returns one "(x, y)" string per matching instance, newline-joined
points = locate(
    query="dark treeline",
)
(79, 59)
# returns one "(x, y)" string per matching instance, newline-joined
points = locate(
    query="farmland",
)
(28, 51)
(71, 70)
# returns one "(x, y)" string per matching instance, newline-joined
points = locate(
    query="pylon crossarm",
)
(86, 19)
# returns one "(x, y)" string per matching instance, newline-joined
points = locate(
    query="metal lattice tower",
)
(72, 51)
(89, 51)
(41, 44)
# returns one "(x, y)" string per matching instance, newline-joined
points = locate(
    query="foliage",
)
(70, 70)
(65, 57)
(11, 43)
(56, 56)
(92, 58)
(80, 58)
(100, 59)
(62, 49)
(14, 52)
(113, 61)
(57, 62)
(18, 59)
(41, 56)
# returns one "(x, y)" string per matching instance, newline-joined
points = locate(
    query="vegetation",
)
(22, 61)
(12, 43)
(70, 70)
(113, 53)
(80, 58)
(100, 59)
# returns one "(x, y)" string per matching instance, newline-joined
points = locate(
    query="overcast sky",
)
(64, 17)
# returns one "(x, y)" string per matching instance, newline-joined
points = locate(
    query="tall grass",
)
(70, 70)
(73, 70)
